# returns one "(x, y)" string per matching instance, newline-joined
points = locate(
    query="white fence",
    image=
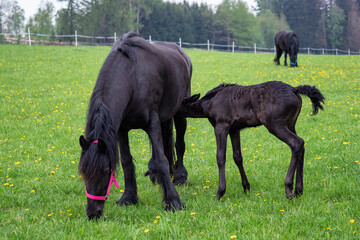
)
(82, 40)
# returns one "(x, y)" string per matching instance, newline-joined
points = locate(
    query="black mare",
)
(276, 105)
(289, 43)
(141, 85)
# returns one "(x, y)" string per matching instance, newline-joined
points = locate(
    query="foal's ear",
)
(102, 146)
(83, 143)
(195, 97)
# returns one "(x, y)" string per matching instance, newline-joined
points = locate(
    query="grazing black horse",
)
(275, 105)
(289, 43)
(141, 85)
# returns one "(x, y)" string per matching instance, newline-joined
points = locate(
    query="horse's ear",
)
(83, 143)
(102, 146)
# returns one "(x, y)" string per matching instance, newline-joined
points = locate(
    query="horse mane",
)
(99, 126)
(128, 42)
(210, 94)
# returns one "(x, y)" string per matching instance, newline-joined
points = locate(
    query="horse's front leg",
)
(130, 193)
(161, 165)
(235, 141)
(180, 175)
(221, 132)
(285, 61)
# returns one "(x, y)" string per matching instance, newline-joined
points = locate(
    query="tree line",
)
(318, 23)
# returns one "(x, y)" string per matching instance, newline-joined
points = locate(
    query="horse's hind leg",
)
(278, 55)
(235, 141)
(285, 55)
(296, 145)
(130, 193)
(161, 164)
(180, 175)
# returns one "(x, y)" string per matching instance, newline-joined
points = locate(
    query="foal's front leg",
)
(285, 62)
(130, 193)
(221, 132)
(235, 141)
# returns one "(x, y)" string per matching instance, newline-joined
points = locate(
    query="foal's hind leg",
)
(235, 141)
(180, 175)
(296, 145)
(221, 132)
(299, 171)
(130, 193)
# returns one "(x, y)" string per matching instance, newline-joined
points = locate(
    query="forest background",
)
(318, 23)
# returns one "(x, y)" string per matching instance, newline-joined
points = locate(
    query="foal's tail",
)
(314, 94)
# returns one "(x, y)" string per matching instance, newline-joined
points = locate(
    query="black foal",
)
(276, 105)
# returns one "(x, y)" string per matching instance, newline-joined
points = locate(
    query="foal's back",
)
(250, 106)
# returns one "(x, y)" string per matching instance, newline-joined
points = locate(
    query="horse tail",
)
(314, 94)
(168, 142)
(191, 107)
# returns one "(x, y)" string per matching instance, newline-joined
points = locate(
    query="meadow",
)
(44, 95)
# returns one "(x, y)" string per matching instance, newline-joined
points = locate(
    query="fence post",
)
(274, 49)
(233, 46)
(150, 38)
(114, 37)
(349, 51)
(76, 44)
(29, 37)
(322, 51)
(208, 44)
(308, 51)
(180, 42)
(336, 51)
(255, 48)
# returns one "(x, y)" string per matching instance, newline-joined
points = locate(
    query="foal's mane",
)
(210, 94)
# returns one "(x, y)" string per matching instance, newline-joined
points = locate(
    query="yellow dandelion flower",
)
(193, 213)
(352, 221)
(282, 210)
(233, 236)
(26, 209)
(146, 230)
(155, 221)
(32, 191)
(157, 217)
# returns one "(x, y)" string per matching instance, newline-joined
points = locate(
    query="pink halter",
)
(112, 180)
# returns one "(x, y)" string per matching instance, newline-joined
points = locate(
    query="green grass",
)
(44, 93)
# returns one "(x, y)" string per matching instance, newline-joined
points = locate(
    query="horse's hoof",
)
(151, 175)
(179, 181)
(127, 200)
(175, 206)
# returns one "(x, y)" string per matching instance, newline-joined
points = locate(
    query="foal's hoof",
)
(246, 188)
(290, 196)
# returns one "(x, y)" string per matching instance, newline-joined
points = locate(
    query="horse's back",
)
(159, 78)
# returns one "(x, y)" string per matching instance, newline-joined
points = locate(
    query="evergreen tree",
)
(335, 25)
